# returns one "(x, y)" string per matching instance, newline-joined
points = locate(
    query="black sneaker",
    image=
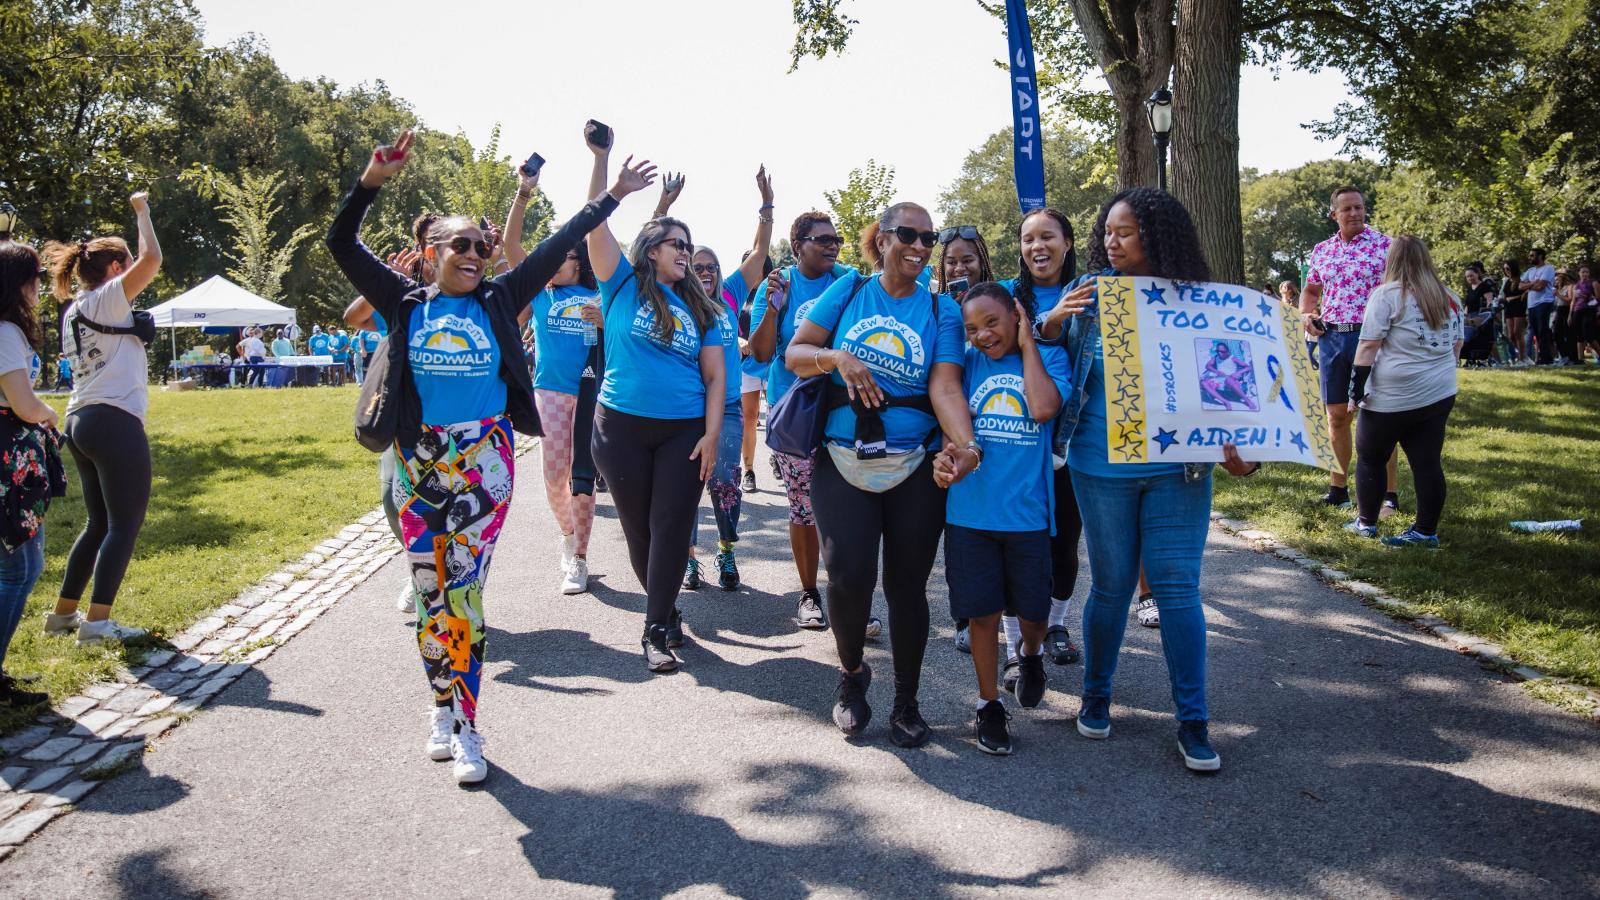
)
(1058, 643)
(1009, 673)
(675, 629)
(906, 727)
(1030, 680)
(1337, 496)
(691, 575)
(599, 485)
(749, 486)
(727, 570)
(993, 736)
(851, 712)
(808, 612)
(657, 657)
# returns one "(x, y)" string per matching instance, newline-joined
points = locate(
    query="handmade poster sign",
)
(1190, 367)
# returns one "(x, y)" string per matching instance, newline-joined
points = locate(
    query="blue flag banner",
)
(1027, 138)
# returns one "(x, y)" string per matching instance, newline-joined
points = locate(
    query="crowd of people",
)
(259, 347)
(929, 403)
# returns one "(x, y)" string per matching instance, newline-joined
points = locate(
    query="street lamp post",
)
(8, 220)
(1159, 108)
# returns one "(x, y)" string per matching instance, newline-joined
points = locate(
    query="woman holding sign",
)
(1155, 512)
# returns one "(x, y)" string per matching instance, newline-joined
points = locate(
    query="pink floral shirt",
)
(1348, 271)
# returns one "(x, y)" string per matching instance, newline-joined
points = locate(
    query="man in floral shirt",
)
(1343, 271)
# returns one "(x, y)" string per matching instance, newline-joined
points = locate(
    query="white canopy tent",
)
(218, 303)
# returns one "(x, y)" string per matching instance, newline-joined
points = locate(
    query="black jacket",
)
(394, 297)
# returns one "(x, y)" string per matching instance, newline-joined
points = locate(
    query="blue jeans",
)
(727, 499)
(19, 570)
(1161, 521)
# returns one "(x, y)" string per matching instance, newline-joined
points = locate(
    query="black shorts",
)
(997, 571)
(1516, 309)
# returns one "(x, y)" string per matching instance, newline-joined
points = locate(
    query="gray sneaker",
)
(808, 612)
(107, 630)
(67, 624)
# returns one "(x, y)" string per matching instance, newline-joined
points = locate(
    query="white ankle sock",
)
(1059, 609)
(1013, 633)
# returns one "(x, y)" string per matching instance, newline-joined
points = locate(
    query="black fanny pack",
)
(143, 328)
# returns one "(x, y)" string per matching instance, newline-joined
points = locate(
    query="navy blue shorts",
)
(1336, 352)
(997, 571)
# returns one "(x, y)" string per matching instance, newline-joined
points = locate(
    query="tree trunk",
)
(1133, 46)
(1136, 151)
(1205, 129)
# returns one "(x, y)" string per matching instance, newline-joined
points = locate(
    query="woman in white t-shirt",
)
(27, 435)
(105, 419)
(1405, 384)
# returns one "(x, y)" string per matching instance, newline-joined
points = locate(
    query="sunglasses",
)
(678, 244)
(964, 232)
(462, 244)
(909, 235)
(704, 268)
(41, 274)
(825, 240)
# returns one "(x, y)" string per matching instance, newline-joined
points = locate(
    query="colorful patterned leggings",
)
(574, 512)
(727, 497)
(454, 489)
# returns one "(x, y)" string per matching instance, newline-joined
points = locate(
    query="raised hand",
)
(672, 187)
(1024, 327)
(526, 183)
(764, 185)
(589, 130)
(633, 178)
(388, 160)
(404, 261)
(140, 202)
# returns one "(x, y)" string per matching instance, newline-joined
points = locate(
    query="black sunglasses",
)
(41, 274)
(964, 232)
(462, 243)
(678, 244)
(909, 235)
(825, 240)
(704, 268)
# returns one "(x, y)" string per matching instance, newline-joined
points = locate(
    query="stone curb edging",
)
(1487, 652)
(71, 750)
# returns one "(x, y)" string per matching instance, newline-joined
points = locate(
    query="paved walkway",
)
(1360, 757)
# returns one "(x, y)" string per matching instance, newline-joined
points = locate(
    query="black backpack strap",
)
(81, 321)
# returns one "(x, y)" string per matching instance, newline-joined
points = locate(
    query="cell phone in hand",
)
(532, 166)
(958, 288)
(601, 135)
(1321, 325)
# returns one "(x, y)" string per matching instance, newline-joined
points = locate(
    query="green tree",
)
(1285, 214)
(867, 193)
(248, 206)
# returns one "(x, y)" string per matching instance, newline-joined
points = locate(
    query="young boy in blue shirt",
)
(1000, 513)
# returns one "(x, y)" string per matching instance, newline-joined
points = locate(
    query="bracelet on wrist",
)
(764, 207)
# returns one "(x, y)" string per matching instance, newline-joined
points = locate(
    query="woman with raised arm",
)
(727, 495)
(894, 350)
(660, 416)
(780, 305)
(457, 376)
(567, 353)
(105, 417)
(1154, 513)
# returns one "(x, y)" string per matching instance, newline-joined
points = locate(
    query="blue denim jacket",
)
(1075, 337)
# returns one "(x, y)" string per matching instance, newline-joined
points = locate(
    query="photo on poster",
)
(1227, 375)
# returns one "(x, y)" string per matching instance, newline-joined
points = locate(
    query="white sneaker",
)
(67, 624)
(444, 723)
(577, 577)
(107, 630)
(1149, 614)
(406, 601)
(467, 748)
(569, 550)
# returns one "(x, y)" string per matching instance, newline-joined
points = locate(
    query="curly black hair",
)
(1166, 233)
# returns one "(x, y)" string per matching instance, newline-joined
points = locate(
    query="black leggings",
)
(656, 488)
(113, 457)
(1420, 432)
(906, 521)
(583, 470)
(1064, 545)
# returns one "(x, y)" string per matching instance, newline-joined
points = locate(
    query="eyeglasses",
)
(964, 232)
(462, 243)
(678, 244)
(909, 235)
(704, 268)
(41, 274)
(825, 240)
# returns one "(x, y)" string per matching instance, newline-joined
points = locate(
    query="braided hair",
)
(1166, 233)
(1069, 265)
(980, 249)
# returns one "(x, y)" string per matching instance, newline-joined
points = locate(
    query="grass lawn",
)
(1521, 445)
(244, 482)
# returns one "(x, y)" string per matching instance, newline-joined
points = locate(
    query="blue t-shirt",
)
(379, 327)
(645, 377)
(803, 294)
(728, 332)
(455, 361)
(1014, 489)
(340, 345)
(558, 337)
(1087, 451)
(900, 341)
(368, 340)
(1044, 298)
(318, 344)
